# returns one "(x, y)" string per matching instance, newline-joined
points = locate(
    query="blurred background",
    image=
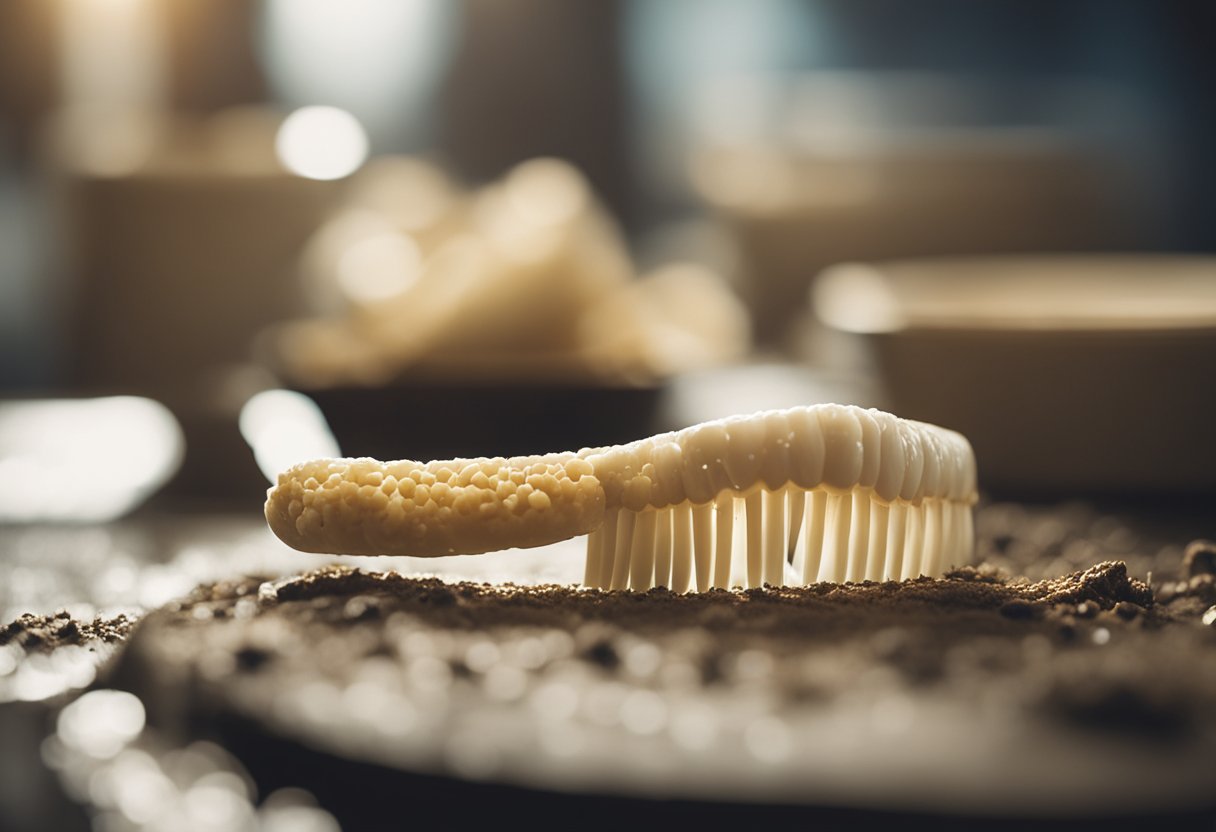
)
(592, 221)
(235, 234)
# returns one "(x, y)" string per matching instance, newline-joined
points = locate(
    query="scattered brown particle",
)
(49, 632)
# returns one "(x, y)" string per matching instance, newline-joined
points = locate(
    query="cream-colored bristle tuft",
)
(771, 538)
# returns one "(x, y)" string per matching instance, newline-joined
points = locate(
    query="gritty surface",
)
(972, 628)
(1053, 679)
(49, 632)
(1084, 690)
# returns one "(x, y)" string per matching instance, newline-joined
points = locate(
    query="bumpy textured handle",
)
(446, 507)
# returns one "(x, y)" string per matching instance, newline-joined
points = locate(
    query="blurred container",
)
(182, 238)
(836, 167)
(437, 419)
(1068, 374)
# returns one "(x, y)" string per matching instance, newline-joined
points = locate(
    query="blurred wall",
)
(538, 78)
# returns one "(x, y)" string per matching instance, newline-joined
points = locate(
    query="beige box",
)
(1070, 375)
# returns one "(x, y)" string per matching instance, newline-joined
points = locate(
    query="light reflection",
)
(855, 297)
(283, 428)
(101, 723)
(505, 683)
(380, 59)
(136, 787)
(768, 739)
(296, 818)
(321, 143)
(555, 700)
(89, 460)
(127, 777)
(412, 193)
(9, 653)
(40, 676)
(643, 712)
(694, 727)
(379, 267)
(210, 806)
(546, 192)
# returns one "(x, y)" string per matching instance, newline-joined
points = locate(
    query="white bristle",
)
(949, 557)
(624, 540)
(662, 549)
(913, 542)
(738, 549)
(608, 548)
(836, 539)
(896, 539)
(859, 537)
(797, 506)
(681, 551)
(723, 541)
(595, 548)
(641, 558)
(816, 530)
(880, 521)
(703, 544)
(931, 559)
(754, 513)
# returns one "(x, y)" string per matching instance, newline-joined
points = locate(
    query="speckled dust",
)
(50, 632)
(364, 658)
(974, 628)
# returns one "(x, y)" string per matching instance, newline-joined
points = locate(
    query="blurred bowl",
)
(487, 405)
(1088, 374)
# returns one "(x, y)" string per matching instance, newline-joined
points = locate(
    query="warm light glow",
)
(321, 143)
(112, 56)
(101, 723)
(378, 59)
(753, 177)
(379, 267)
(546, 191)
(855, 297)
(90, 460)
(412, 193)
(283, 428)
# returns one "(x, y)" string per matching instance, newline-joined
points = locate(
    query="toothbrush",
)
(819, 493)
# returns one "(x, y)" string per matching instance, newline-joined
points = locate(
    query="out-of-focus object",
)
(518, 300)
(381, 60)
(1068, 373)
(113, 56)
(835, 167)
(181, 237)
(321, 143)
(83, 460)
(465, 415)
(497, 101)
(182, 240)
(526, 280)
(676, 318)
(283, 427)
